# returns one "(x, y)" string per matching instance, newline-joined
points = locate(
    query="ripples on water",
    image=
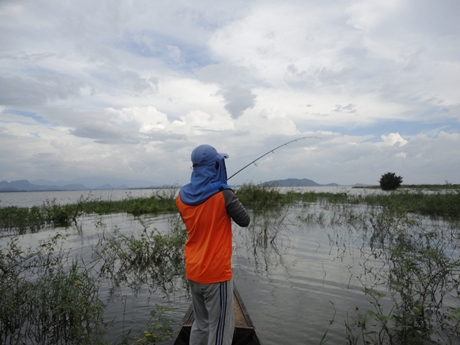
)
(296, 289)
(301, 288)
(29, 199)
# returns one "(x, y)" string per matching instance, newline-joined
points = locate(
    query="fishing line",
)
(271, 151)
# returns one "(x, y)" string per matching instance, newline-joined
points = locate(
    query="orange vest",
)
(208, 250)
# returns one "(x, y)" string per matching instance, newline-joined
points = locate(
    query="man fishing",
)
(207, 206)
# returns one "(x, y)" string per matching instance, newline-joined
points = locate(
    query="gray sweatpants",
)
(213, 308)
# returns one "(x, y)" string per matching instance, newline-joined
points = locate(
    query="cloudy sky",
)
(126, 89)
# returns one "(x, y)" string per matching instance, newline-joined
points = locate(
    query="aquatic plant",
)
(409, 266)
(20, 220)
(46, 299)
(419, 269)
(151, 259)
(49, 298)
(158, 328)
(256, 198)
(436, 204)
(260, 198)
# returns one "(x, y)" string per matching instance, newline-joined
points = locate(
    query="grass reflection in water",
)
(404, 257)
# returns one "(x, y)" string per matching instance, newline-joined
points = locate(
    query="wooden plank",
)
(244, 333)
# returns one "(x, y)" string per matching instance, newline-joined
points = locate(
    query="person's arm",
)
(235, 208)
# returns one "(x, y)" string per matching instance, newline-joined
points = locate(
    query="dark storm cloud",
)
(105, 134)
(237, 100)
(350, 108)
(16, 91)
(137, 83)
(224, 74)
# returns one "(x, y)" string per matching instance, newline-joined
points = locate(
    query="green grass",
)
(46, 299)
(153, 259)
(19, 220)
(437, 204)
(433, 187)
(433, 204)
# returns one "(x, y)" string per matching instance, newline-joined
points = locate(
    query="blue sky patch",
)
(170, 50)
(404, 128)
(31, 115)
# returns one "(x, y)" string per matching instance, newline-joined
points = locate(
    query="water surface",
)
(307, 281)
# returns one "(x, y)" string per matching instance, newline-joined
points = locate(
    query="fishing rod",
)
(271, 151)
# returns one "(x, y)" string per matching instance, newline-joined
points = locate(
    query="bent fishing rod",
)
(271, 151)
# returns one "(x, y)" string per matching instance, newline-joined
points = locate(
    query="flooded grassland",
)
(312, 268)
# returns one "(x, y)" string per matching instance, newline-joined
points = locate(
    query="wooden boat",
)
(244, 333)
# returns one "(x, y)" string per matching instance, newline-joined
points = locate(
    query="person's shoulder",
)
(227, 191)
(229, 195)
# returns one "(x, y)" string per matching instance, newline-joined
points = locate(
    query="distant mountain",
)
(96, 182)
(26, 186)
(15, 185)
(294, 182)
(43, 185)
(105, 187)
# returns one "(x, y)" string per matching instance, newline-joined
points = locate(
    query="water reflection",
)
(356, 272)
(388, 275)
(29, 199)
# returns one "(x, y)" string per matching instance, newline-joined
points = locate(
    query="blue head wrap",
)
(208, 177)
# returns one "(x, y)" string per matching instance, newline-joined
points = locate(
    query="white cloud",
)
(393, 139)
(142, 119)
(130, 88)
(368, 15)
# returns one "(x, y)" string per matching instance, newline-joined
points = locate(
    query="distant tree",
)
(390, 181)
